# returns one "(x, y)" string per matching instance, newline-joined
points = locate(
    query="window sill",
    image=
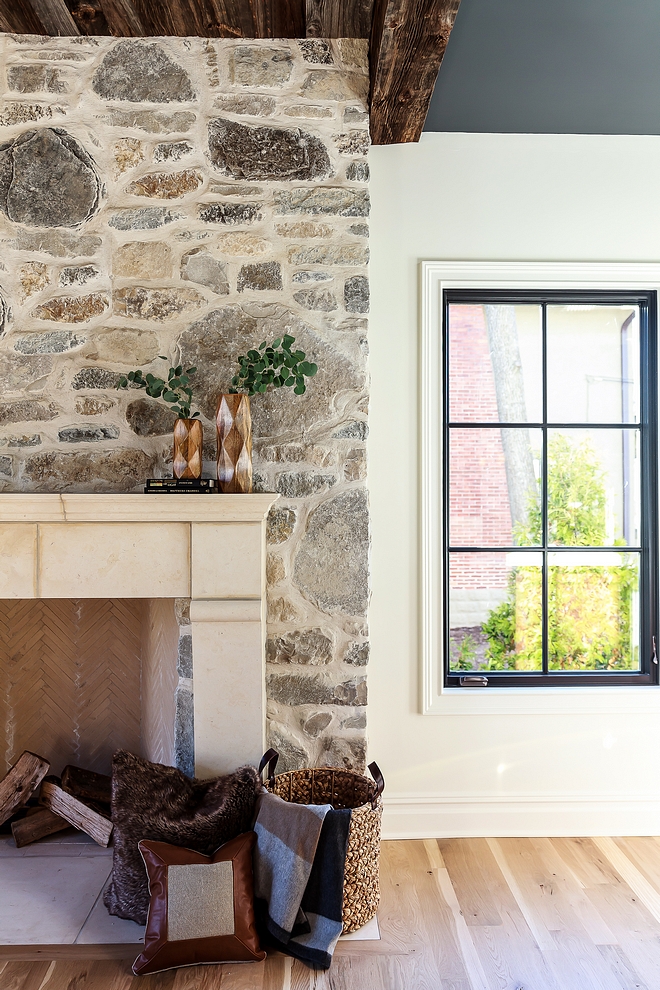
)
(578, 700)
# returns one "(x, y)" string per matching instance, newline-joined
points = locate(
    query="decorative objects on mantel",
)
(177, 393)
(234, 428)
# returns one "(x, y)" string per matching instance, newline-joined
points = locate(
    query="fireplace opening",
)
(83, 677)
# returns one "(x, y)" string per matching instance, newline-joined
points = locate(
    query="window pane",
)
(495, 364)
(493, 487)
(593, 364)
(593, 606)
(495, 611)
(593, 488)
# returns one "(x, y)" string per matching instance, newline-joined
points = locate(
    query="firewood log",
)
(85, 817)
(17, 787)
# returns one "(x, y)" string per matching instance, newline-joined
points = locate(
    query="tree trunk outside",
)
(510, 393)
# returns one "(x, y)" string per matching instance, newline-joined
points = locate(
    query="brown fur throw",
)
(151, 801)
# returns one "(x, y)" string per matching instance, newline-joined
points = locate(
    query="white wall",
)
(490, 197)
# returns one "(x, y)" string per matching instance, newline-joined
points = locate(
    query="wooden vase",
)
(234, 425)
(188, 440)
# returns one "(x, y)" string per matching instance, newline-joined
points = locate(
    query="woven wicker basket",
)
(343, 789)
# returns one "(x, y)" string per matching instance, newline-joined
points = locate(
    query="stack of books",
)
(179, 486)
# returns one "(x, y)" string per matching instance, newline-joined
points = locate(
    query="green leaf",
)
(170, 397)
(300, 389)
(253, 355)
(262, 388)
(276, 343)
(290, 380)
(191, 371)
(162, 357)
(177, 371)
(312, 370)
(261, 346)
(288, 340)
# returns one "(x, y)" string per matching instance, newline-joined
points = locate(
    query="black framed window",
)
(550, 504)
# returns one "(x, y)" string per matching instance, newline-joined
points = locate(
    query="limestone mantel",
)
(209, 548)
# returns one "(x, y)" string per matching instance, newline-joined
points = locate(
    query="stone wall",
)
(191, 198)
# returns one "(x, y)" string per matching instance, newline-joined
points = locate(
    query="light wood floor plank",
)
(456, 914)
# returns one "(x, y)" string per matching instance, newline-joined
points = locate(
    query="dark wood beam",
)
(122, 19)
(280, 18)
(89, 16)
(55, 17)
(408, 41)
(198, 18)
(234, 18)
(18, 17)
(338, 19)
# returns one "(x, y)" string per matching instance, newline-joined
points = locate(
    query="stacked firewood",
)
(36, 804)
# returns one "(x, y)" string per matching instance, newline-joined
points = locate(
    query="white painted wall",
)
(491, 197)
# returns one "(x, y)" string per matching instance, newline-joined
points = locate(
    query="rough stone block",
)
(315, 276)
(359, 229)
(315, 689)
(308, 646)
(319, 299)
(166, 185)
(6, 466)
(356, 294)
(125, 345)
(184, 663)
(72, 309)
(304, 228)
(33, 276)
(256, 65)
(35, 79)
(172, 151)
(266, 153)
(316, 50)
(148, 418)
(184, 731)
(309, 111)
(89, 470)
(87, 434)
(275, 570)
(147, 218)
(280, 523)
(19, 371)
(355, 465)
(26, 113)
(25, 441)
(328, 84)
(153, 121)
(95, 378)
(88, 405)
(229, 213)
(327, 201)
(298, 484)
(47, 179)
(128, 153)
(140, 72)
(358, 172)
(357, 654)
(201, 267)
(260, 277)
(355, 51)
(53, 342)
(316, 723)
(155, 304)
(353, 143)
(243, 244)
(349, 754)
(27, 411)
(332, 560)
(78, 275)
(143, 259)
(356, 115)
(355, 721)
(58, 243)
(329, 254)
(250, 104)
(357, 430)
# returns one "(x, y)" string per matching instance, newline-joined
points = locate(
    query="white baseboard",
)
(428, 816)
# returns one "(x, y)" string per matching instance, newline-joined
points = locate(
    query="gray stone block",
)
(139, 72)
(266, 153)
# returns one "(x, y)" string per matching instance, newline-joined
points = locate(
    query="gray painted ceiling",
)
(560, 67)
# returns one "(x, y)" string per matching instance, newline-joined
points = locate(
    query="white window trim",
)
(436, 276)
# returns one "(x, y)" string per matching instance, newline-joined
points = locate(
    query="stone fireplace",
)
(134, 621)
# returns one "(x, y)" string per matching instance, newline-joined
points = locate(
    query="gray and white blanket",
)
(299, 864)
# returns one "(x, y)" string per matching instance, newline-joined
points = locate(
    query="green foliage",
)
(576, 497)
(466, 654)
(589, 608)
(176, 391)
(273, 364)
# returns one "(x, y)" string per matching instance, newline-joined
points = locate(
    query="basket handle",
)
(375, 772)
(270, 757)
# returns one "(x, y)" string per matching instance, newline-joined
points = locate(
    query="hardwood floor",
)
(456, 914)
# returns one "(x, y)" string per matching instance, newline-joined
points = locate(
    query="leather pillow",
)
(201, 908)
(151, 801)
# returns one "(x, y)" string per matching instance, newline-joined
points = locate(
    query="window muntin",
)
(568, 477)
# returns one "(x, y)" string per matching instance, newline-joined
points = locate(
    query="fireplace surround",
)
(207, 549)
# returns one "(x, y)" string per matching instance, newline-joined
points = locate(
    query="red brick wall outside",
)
(478, 497)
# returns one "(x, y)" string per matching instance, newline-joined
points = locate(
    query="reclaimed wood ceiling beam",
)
(408, 41)
(122, 19)
(89, 16)
(18, 17)
(55, 17)
(338, 19)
